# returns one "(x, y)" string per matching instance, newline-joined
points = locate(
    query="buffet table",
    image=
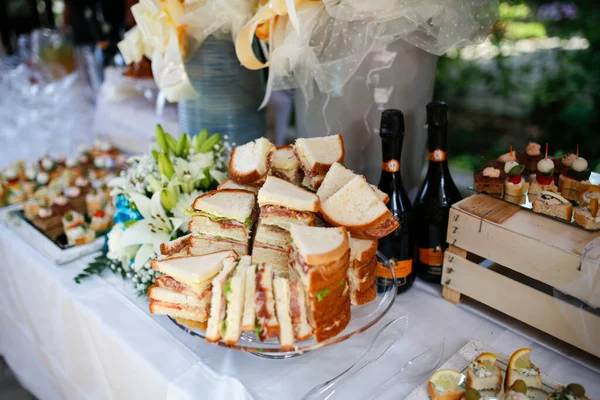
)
(96, 340)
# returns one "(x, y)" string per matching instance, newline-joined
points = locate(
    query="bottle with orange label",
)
(397, 246)
(437, 194)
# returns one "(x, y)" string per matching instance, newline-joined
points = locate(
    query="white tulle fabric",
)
(332, 37)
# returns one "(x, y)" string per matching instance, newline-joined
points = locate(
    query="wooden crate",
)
(537, 254)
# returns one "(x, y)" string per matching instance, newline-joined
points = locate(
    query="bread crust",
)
(321, 168)
(219, 191)
(363, 297)
(322, 334)
(358, 231)
(512, 376)
(585, 221)
(339, 253)
(566, 213)
(472, 379)
(366, 255)
(250, 177)
(155, 263)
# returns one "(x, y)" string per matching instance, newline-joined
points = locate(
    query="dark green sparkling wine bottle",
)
(438, 193)
(398, 246)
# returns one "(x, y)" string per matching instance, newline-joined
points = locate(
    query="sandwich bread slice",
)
(277, 258)
(286, 165)
(234, 206)
(361, 273)
(302, 329)
(337, 177)
(317, 154)
(356, 207)
(177, 247)
(267, 325)
(281, 290)
(235, 296)
(218, 304)
(196, 272)
(201, 244)
(249, 316)
(166, 301)
(282, 203)
(230, 184)
(251, 162)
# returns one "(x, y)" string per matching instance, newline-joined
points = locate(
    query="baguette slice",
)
(251, 162)
(535, 187)
(218, 306)
(235, 289)
(583, 217)
(553, 204)
(227, 204)
(493, 382)
(512, 375)
(282, 193)
(317, 154)
(230, 184)
(356, 207)
(517, 190)
(281, 289)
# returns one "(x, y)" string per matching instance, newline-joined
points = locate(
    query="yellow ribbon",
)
(266, 12)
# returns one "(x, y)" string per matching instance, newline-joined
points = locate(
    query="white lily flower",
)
(116, 250)
(150, 232)
(218, 175)
(180, 210)
(203, 160)
(188, 174)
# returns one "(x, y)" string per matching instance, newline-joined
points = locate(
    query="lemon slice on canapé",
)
(520, 359)
(487, 359)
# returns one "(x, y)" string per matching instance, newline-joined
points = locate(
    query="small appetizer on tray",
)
(80, 235)
(521, 368)
(553, 204)
(593, 192)
(588, 216)
(576, 177)
(94, 201)
(514, 185)
(72, 219)
(517, 391)
(543, 179)
(484, 374)
(29, 183)
(490, 180)
(573, 391)
(532, 155)
(444, 384)
(561, 164)
(101, 221)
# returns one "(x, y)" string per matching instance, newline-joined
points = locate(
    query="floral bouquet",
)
(152, 199)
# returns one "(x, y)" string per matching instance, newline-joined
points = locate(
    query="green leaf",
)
(227, 287)
(181, 146)
(321, 294)
(516, 170)
(547, 174)
(257, 328)
(223, 326)
(208, 145)
(130, 223)
(200, 139)
(342, 281)
(165, 165)
(171, 142)
(247, 222)
(160, 138)
(155, 155)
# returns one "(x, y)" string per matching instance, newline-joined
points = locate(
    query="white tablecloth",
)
(97, 341)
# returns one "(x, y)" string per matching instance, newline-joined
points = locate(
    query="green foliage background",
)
(563, 103)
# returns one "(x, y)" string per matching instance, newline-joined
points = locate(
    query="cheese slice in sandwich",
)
(302, 329)
(234, 289)
(230, 184)
(196, 272)
(317, 154)
(218, 304)
(267, 325)
(286, 165)
(249, 316)
(337, 177)
(281, 289)
(357, 207)
(282, 203)
(251, 162)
